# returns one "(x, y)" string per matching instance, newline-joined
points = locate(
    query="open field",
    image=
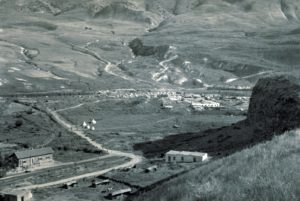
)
(141, 120)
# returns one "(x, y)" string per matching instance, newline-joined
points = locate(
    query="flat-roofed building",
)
(185, 156)
(33, 157)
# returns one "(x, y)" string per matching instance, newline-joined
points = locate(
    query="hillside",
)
(219, 44)
(268, 171)
(274, 109)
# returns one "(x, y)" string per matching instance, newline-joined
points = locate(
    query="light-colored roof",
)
(186, 153)
(34, 152)
(119, 192)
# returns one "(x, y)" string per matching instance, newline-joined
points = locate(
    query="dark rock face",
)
(275, 105)
(274, 108)
(139, 49)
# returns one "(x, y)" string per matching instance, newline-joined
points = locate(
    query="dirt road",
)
(134, 159)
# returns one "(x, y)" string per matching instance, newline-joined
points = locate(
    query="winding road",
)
(134, 159)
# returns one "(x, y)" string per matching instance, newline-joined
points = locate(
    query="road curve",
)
(134, 159)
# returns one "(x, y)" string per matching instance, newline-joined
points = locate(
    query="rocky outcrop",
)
(139, 49)
(275, 105)
(274, 108)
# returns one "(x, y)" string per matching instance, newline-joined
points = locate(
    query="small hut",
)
(94, 122)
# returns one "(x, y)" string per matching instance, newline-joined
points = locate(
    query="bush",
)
(18, 123)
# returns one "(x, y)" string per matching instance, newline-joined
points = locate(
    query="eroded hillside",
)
(67, 45)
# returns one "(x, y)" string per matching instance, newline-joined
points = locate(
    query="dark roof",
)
(33, 153)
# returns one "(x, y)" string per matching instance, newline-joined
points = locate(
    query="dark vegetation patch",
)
(139, 49)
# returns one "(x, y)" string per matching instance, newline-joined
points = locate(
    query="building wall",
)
(36, 161)
(11, 198)
(183, 158)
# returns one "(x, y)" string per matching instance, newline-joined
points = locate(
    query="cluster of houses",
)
(197, 102)
(132, 93)
(201, 105)
(90, 125)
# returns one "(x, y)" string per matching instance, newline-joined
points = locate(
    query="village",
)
(117, 170)
(197, 100)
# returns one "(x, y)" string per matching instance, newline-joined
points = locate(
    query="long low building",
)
(119, 193)
(204, 104)
(33, 158)
(185, 156)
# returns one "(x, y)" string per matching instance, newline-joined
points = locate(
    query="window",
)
(182, 159)
(194, 159)
(174, 158)
(169, 158)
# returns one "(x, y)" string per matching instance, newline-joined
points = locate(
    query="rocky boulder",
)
(139, 49)
(275, 105)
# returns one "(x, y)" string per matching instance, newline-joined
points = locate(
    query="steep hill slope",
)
(268, 171)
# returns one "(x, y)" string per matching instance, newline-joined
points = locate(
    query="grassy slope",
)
(268, 172)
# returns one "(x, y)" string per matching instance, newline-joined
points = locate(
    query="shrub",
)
(18, 123)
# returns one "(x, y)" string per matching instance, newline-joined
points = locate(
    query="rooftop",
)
(122, 191)
(187, 153)
(15, 193)
(33, 152)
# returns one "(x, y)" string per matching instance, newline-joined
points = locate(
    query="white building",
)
(204, 104)
(185, 156)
